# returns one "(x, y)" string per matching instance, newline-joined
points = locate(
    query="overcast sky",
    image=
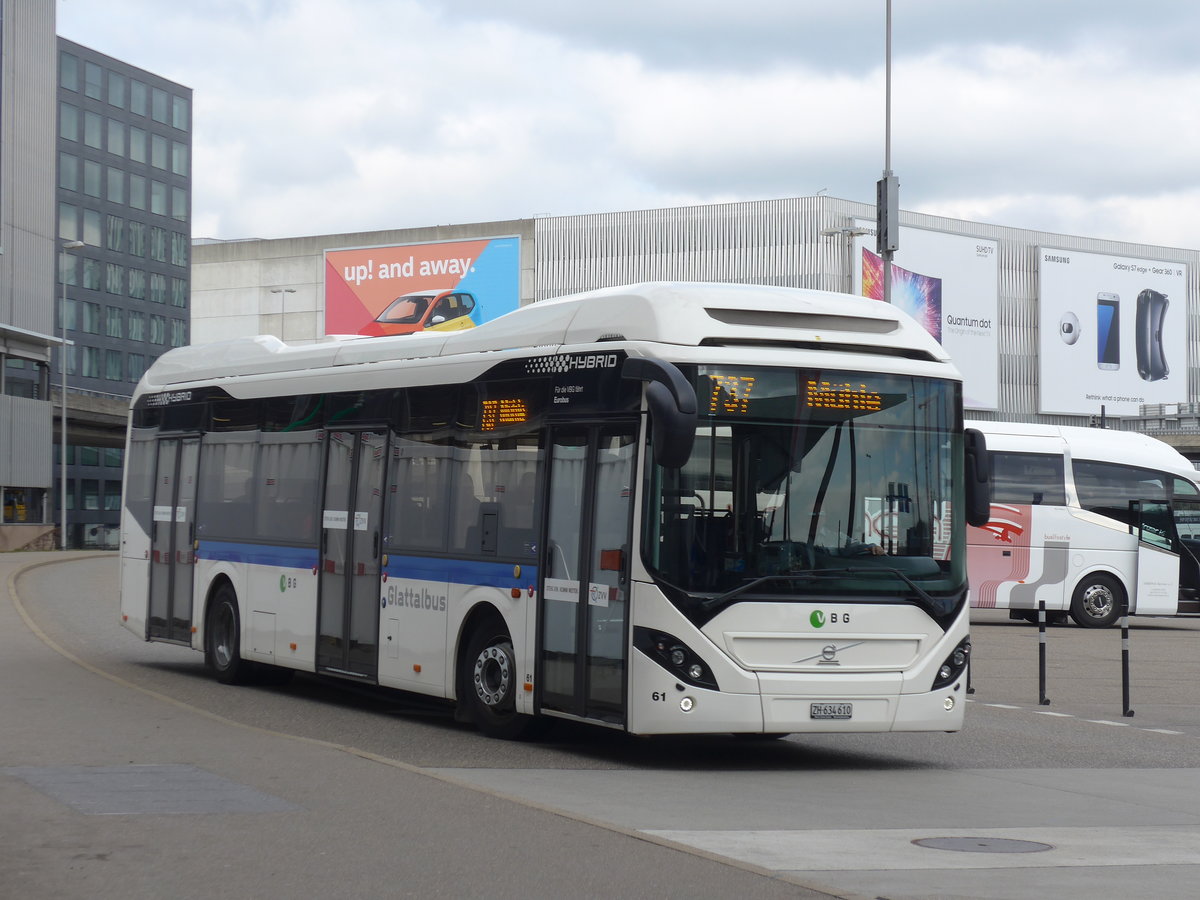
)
(315, 117)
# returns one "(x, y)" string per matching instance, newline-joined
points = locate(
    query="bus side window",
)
(1035, 479)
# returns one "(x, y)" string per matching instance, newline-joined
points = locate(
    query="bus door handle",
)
(375, 546)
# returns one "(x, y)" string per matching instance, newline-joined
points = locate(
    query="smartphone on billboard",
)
(1108, 331)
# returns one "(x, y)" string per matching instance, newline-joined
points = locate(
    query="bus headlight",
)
(675, 656)
(954, 665)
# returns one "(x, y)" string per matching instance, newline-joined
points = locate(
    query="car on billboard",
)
(428, 311)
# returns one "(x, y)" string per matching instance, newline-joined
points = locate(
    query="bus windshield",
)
(814, 482)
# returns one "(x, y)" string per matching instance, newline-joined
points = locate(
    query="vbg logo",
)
(817, 619)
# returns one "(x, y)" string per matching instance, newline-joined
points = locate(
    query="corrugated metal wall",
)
(26, 434)
(802, 242)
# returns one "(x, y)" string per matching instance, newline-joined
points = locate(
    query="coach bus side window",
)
(225, 503)
(418, 495)
(1028, 478)
(139, 483)
(289, 469)
(1107, 488)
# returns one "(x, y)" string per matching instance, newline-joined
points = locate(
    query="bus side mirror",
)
(977, 470)
(672, 404)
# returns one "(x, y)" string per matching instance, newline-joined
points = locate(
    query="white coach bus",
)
(607, 508)
(1091, 521)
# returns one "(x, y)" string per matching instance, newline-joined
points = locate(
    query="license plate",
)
(830, 710)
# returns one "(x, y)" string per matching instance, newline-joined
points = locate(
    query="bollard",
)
(1042, 699)
(1128, 713)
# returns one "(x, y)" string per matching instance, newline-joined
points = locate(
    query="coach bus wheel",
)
(1098, 602)
(222, 639)
(490, 682)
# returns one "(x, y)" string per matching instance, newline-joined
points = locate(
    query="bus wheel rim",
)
(493, 675)
(1098, 601)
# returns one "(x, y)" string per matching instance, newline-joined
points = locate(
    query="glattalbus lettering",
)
(415, 598)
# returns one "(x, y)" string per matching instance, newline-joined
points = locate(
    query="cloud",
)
(317, 118)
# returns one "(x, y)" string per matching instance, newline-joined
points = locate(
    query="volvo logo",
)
(828, 655)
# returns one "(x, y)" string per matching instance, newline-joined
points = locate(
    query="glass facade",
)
(124, 188)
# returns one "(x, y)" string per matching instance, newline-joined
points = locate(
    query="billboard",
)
(397, 289)
(948, 283)
(1112, 332)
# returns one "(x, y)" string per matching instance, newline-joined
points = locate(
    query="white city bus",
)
(603, 508)
(1091, 521)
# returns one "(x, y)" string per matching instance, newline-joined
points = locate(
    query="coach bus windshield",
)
(814, 482)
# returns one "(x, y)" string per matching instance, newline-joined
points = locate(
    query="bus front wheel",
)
(1098, 602)
(490, 681)
(223, 639)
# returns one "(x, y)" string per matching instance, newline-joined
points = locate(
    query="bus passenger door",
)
(171, 539)
(1158, 559)
(585, 590)
(351, 524)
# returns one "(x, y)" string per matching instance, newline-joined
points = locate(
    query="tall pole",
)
(887, 191)
(62, 367)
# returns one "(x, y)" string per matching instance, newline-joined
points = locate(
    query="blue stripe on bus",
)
(421, 568)
(460, 571)
(259, 554)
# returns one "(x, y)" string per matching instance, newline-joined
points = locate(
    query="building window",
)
(89, 456)
(93, 130)
(137, 290)
(116, 90)
(179, 249)
(68, 172)
(179, 158)
(114, 278)
(137, 238)
(91, 278)
(158, 330)
(158, 105)
(158, 151)
(68, 122)
(114, 457)
(178, 332)
(116, 137)
(179, 292)
(112, 495)
(68, 72)
(91, 178)
(137, 365)
(89, 362)
(72, 369)
(69, 311)
(116, 232)
(137, 145)
(116, 185)
(67, 268)
(112, 321)
(158, 198)
(179, 113)
(91, 227)
(91, 493)
(137, 327)
(158, 288)
(137, 191)
(68, 221)
(158, 243)
(91, 317)
(93, 77)
(113, 368)
(179, 207)
(137, 97)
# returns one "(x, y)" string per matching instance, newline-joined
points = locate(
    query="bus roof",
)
(1098, 444)
(679, 313)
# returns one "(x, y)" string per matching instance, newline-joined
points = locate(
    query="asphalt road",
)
(385, 795)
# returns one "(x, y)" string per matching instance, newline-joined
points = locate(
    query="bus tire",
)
(490, 681)
(223, 639)
(1098, 601)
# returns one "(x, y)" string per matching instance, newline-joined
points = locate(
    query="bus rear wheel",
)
(489, 682)
(223, 639)
(1098, 602)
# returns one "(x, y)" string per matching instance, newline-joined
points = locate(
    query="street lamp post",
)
(62, 366)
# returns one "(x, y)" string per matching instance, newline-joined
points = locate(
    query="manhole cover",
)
(982, 845)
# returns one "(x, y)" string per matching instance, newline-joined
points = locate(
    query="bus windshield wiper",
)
(934, 603)
(720, 599)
